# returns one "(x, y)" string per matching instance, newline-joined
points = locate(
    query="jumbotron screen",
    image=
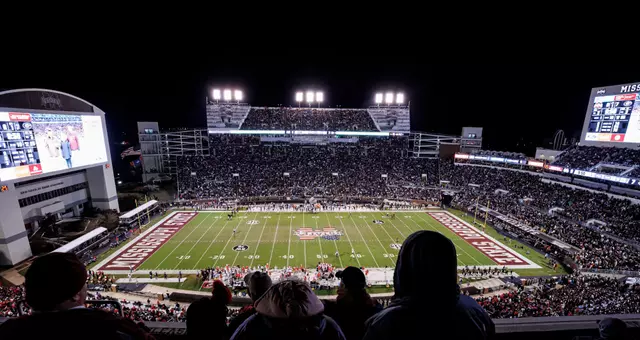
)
(613, 115)
(40, 143)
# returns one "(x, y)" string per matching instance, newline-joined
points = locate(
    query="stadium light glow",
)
(319, 97)
(237, 95)
(216, 94)
(310, 95)
(400, 98)
(299, 96)
(388, 98)
(226, 94)
(378, 98)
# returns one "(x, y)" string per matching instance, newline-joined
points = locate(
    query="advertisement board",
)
(40, 143)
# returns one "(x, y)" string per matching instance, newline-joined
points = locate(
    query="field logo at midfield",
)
(496, 252)
(327, 233)
(142, 249)
(241, 247)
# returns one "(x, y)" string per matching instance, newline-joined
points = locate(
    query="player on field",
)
(234, 232)
(337, 254)
(229, 216)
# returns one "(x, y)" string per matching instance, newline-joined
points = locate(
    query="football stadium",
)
(304, 220)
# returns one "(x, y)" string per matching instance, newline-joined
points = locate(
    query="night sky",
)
(519, 105)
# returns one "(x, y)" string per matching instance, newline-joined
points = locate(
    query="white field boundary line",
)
(133, 241)
(531, 264)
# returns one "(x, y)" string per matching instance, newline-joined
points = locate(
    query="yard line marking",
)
(390, 220)
(349, 239)
(304, 243)
(212, 242)
(290, 232)
(410, 229)
(319, 243)
(178, 246)
(198, 241)
(376, 235)
(273, 246)
(454, 242)
(244, 240)
(365, 243)
(229, 240)
(258, 244)
(335, 243)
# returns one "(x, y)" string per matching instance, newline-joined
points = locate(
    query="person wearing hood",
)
(427, 297)
(353, 306)
(257, 284)
(207, 317)
(289, 310)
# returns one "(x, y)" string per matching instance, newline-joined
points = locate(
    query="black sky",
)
(519, 105)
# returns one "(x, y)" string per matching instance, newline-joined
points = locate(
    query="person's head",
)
(291, 299)
(49, 132)
(55, 282)
(426, 266)
(612, 328)
(220, 293)
(63, 136)
(352, 282)
(257, 284)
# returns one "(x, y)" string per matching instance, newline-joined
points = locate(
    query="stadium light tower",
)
(216, 94)
(310, 96)
(400, 98)
(299, 97)
(378, 98)
(237, 94)
(388, 98)
(226, 94)
(319, 97)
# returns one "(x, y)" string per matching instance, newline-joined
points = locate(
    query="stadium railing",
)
(549, 328)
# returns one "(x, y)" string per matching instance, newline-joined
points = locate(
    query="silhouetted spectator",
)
(257, 284)
(289, 310)
(207, 317)
(427, 297)
(612, 329)
(56, 290)
(353, 306)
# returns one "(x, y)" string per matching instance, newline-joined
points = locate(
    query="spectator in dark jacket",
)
(56, 290)
(427, 297)
(207, 317)
(353, 306)
(257, 284)
(289, 310)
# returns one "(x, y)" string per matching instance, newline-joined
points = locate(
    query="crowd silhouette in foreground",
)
(426, 297)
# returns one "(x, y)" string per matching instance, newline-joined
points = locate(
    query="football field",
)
(194, 240)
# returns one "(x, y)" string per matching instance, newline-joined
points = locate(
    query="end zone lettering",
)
(144, 247)
(491, 249)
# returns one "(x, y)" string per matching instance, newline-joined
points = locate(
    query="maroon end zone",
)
(493, 250)
(146, 244)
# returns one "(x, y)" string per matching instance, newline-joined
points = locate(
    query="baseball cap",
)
(352, 278)
(53, 279)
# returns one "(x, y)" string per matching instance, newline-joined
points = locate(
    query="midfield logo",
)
(327, 233)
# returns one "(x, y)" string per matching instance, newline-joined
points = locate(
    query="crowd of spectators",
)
(288, 118)
(585, 157)
(372, 168)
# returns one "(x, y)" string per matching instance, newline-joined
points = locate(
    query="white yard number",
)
(254, 257)
(361, 216)
(217, 257)
(292, 217)
(315, 216)
(407, 216)
(267, 217)
(243, 217)
(389, 255)
(339, 216)
(322, 256)
(287, 256)
(216, 216)
(356, 255)
(184, 257)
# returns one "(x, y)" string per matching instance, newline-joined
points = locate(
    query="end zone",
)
(490, 247)
(144, 245)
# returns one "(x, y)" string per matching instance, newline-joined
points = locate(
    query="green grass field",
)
(208, 240)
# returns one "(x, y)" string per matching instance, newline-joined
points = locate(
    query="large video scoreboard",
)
(613, 116)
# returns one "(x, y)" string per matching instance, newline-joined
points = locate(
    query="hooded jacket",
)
(427, 298)
(289, 310)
